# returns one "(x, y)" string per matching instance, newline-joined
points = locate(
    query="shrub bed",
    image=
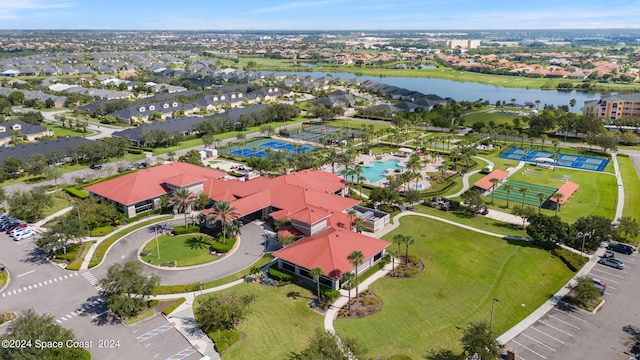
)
(573, 261)
(281, 276)
(181, 229)
(77, 192)
(219, 247)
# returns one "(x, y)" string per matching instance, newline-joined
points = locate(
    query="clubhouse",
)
(311, 200)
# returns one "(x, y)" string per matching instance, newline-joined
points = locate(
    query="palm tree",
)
(181, 202)
(408, 240)
(507, 187)
(541, 197)
(494, 183)
(537, 103)
(315, 273)
(572, 103)
(558, 196)
(352, 213)
(415, 165)
(355, 259)
(223, 211)
(349, 278)
(332, 158)
(523, 190)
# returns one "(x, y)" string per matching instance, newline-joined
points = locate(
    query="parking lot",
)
(163, 341)
(565, 329)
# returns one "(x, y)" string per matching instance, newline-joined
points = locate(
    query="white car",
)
(24, 235)
(19, 231)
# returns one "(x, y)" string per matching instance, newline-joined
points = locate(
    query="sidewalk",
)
(332, 313)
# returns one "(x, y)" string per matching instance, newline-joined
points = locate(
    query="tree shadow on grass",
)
(197, 242)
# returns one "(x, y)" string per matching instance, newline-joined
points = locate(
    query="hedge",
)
(173, 306)
(217, 246)
(280, 275)
(79, 193)
(181, 229)
(573, 261)
(329, 294)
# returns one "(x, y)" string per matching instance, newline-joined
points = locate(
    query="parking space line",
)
(609, 273)
(608, 280)
(562, 321)
(544, 333)
(542, 356)
(553, 327)
(575, 317)
(539, 342)
(165, 343)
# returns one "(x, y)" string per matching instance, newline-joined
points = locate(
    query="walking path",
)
(466, 176)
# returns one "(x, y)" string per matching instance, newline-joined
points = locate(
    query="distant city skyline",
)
(316, 15)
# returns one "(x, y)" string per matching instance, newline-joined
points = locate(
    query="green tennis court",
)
(530, 196)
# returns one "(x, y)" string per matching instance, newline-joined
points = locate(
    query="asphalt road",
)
(72, 297)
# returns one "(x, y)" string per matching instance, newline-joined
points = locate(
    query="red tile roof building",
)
(310, 199)
(485, 183)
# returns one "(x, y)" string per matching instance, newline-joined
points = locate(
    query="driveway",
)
(248, 251)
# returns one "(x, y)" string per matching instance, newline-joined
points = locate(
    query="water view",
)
(468, 91)
(379, 170)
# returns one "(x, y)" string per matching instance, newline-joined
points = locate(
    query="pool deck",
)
(423, 183)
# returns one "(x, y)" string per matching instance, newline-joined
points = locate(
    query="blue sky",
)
(317, 14)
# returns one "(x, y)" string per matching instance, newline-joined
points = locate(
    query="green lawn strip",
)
(478, 222)
(184, 250)
(182, 288)
(486, 117)
(77, 262)
(101, 250)
(278, 323)
(631, 184)
(58, 204)
(4, 275)
(60, 131)
(464, 271)
(596, 195)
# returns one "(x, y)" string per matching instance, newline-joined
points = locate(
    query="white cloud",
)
(15, 9)
(296, 5)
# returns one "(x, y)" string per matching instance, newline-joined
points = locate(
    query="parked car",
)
(142, 165)
(16, 226)
(621, 248)
(18, 231)
(599, 285)
(24, 235)
(95, 167)
(615, 263)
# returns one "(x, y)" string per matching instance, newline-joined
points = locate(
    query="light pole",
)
(493, 302)
(157, 246)
(201, 287)
(582, 248)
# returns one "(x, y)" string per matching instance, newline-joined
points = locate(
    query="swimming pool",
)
(379, 170)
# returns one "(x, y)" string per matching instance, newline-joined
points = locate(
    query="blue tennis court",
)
(257, 148)
(565, 160)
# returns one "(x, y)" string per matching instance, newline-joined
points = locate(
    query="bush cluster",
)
(181, 229)
(281, 276)
(220, 247)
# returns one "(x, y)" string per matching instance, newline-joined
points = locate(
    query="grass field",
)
(631, 184)
(278, 323)
(478, 222)
(486, 117)
(185, 250)
(356, 124)
(464, 271)
(596, 195)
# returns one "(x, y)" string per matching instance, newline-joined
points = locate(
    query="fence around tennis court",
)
(581, 162)
(321, 134)
(530, 198)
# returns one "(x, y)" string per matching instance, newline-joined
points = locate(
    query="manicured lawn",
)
(486, 117)
(278, 323)
(185, 250)
(478, 222)
(464, 271)
(631, 184)
(596, 195)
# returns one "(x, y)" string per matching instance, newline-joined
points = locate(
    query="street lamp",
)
(493, 302)
(201, 287)
(157, 245)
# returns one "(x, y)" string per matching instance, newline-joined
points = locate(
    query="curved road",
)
(249, 249)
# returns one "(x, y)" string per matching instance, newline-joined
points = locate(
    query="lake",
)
(469, 91)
